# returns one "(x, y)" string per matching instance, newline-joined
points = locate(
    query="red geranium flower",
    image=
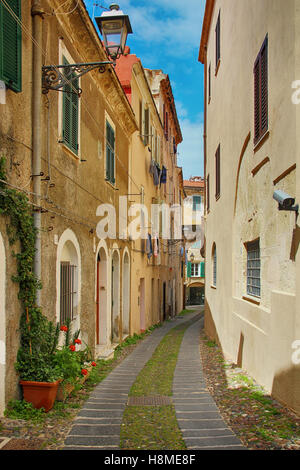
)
(77, 341)
(72, 347)
(94, 364)
(84, 371)
(63, 328)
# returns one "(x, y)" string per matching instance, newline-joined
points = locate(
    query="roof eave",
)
(209, 7)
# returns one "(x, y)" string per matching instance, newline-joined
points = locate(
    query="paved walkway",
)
(197, 414)
(98, 424)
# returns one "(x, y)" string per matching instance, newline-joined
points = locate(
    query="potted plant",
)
(38, 372)
(72, 363)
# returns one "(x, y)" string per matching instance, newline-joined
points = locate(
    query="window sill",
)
(213, 287)
(218, 196)
(112, 185)
(252, 300)
(261, 141)
(217, 67)
(70, 152)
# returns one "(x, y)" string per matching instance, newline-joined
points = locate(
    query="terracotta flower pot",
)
(40, 394)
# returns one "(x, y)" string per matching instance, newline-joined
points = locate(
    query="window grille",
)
(67, 291)
(253, 268)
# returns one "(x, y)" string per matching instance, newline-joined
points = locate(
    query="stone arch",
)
(115, 295)
(2, 325)
(125, 292)
(68, 253)
(102, 294)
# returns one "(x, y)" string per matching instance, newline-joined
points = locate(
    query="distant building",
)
(193, 223)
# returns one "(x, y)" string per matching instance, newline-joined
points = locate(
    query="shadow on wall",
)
(286, 388)
(286, 384)
(295, 243)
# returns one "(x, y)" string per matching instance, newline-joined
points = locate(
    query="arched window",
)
(214, 265)
(68, 271)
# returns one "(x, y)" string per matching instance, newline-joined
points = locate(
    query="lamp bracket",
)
(56, 77)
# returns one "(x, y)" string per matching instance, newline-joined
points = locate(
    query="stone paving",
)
(98, 424)
(197, 415)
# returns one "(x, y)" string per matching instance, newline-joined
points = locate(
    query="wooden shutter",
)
(218, 40)
(202, 269)
(208, 193)
(209, 83)
(264, 87)
(110, 153)
(218, 173)
(260, 72)
(70, 113)
(189, 269)
(11, 45)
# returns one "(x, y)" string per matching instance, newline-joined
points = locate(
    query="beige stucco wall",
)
(246, 209)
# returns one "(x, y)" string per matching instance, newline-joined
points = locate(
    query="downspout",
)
(37, 13)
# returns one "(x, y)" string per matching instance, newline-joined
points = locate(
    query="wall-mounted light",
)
(114, 26)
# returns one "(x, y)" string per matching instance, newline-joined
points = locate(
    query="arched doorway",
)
(115, 296)
(126, 294)
(101, 297)
(2, 326)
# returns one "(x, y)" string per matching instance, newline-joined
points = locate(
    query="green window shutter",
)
(11, 45)
(70, 114)
(110, 153)
(189, 269)
(202, 269)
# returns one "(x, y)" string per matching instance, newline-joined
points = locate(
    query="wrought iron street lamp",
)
(114, 26)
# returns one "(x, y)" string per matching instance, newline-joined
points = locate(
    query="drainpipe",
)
(37, 13)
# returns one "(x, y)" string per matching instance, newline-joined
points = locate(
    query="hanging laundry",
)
(163, 176)
(154, 171)
(149, 250)
(155, 243)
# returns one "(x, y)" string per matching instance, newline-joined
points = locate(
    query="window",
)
(261, 92)
(214, 263)
(207, 192)
(110, 153)
(146, 126)
(11, 45)
(253, 268)
(195, 271)
(209, 83)
(196, 203)
(218, 41)
(67, 291)
(71, 112)
(218, 173)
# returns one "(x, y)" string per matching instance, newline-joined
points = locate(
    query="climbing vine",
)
(38, 335)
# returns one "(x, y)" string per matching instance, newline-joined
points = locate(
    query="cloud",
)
(191, 149)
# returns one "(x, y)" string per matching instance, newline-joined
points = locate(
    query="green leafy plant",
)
(21, 409)
(38, 335)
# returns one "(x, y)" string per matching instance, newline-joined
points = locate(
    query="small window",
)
(261, 92)
(196, 203)
(218, 173)
(207, 193)
(218, 41)
(146, 126)
(209, 83)
(11, 45)
(214, 263)
(195, 270)
(253, 268)
(67, 291)
(71, 112)
(110, 153)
